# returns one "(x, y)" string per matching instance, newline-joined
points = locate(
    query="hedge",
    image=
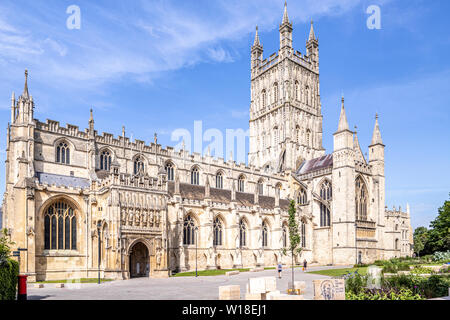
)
(9, 271)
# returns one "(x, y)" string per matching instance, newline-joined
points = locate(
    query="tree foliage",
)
(437, 238)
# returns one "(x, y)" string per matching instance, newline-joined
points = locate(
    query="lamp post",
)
(196, 249)
(99, 226)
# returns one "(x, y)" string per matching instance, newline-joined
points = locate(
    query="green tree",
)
(294, 236)
(420, 239)
(439, 234)
(5, 246)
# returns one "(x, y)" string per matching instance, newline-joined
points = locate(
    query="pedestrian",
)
(279, 269)
(304, 265)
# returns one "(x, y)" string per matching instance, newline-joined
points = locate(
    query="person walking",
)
(304, 265)
(279, 269)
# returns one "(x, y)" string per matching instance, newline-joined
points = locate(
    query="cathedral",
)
(82, 203)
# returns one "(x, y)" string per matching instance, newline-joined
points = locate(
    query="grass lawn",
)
(213, 272)
(82, 280)
(340, 272)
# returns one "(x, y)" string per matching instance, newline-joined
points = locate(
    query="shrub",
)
(422, 270)
(355, 283)
(441, 256)
(429, 287)
(384, 294)
(9, 271)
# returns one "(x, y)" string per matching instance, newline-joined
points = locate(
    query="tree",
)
(5, 246)
(294, 237)
(439, 234)
(420, 239)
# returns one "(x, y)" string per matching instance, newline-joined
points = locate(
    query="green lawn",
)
(82, 280)
(340, 272)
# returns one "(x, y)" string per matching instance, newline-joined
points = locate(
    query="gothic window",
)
(60, 227)
(285, 236)
(396, 244)
(297, 134)
(276, 134)
(303, 234)
(361, 200)
(219, 180)
(169, 171)
(275, 92)
(189, 231)
(264, 98)
(105, 160)
(260, 187)
(63, 153)
(138, 165)
(308, 137)
(195, 176)
(325, 195)
(217, 232)
(307, 94)
(297, 91)
(241, 183)
(242, 234)
(301, 198)
(265, 234)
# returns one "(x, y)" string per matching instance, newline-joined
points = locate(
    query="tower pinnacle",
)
(343, 124)
(25, 89)
(256, 42)
(285, 14)
(376, 137)
(312, 36)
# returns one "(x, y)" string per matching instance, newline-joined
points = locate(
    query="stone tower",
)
(18, 200)
(285, 110)
(343, 209)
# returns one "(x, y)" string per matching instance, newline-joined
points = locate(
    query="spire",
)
(343, 124)
(25, 89)
(312, 36)
(376, 137)
(358, 153)
(256, 42)
(285, 15)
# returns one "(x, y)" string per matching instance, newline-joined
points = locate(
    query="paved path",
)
(175, 288)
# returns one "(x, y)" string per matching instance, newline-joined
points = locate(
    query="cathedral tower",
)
(285, 109)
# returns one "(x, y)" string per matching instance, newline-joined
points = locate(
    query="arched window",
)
(261, 187)
(265, 234)
(276, 135)
(361, 199)
(297, 91)
(138, 165)
(219, 180)
(218, 230)
(189, 231)
(325, 195)
(242, 234)
(308, 137)
(169, 171)
(303, 234)
(195, 176)
(63, 153)
(275, 92)
(241, 183)
(60, 227)
(105, 160)
(264, 98)
(302, 199)
(297, 134)
(396, 244)
(285, 233)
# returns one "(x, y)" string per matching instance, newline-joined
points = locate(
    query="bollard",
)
(22, 287)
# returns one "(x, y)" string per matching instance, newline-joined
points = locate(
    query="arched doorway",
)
(139, 261)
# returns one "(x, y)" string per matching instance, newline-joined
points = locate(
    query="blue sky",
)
(154, 66)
